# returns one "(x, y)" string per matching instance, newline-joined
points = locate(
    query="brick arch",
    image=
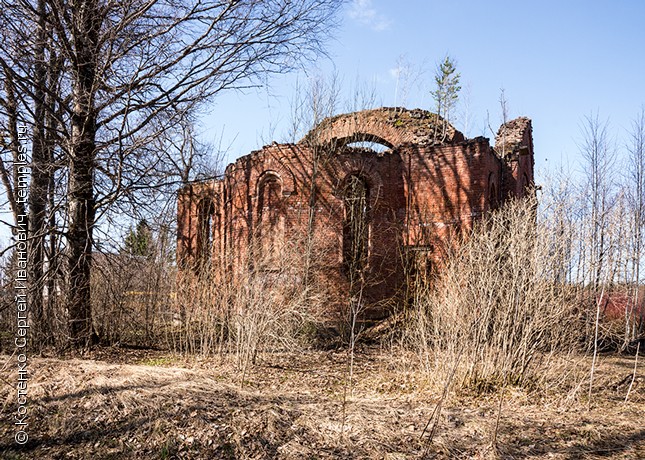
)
(391, 127)
(284, 175)
(372, 179)
(265, 176)
(269, 212)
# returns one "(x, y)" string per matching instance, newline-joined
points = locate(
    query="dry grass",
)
(165, 406)
(495, 314)
(262, 304)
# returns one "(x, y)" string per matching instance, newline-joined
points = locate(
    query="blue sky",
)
(557, 61)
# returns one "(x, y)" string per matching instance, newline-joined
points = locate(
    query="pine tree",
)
(446, 93)
(139, 241)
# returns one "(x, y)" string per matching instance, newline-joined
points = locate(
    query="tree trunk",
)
(81, 205)
(11, 183)
(38, 188)
(81, 223)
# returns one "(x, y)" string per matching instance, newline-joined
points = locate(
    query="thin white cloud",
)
(363, 12)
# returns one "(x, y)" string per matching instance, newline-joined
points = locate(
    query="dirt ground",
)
(127, 404)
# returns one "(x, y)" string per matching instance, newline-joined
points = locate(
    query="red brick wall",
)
(514, 143)
(431, 185)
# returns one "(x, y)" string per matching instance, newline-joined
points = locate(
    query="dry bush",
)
(52, 331)
(259, 305)
(131, 298)
(496, 313)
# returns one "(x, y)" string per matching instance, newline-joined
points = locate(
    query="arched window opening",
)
(493, 199)
(205, 211)
(269, 200)
(270, 213)
(356, 226)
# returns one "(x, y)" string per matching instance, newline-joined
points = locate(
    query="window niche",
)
(270, 215)
(355, 226)
(493, 197)
(205, 212)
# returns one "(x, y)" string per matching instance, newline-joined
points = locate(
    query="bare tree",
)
(11, 145)
(129, 71)
(599, 158)
(407, 76)
(31, 71)
(636, 193)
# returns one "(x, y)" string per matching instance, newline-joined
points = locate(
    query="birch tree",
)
(636, 193)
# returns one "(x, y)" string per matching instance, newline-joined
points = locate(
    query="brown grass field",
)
(127, 404)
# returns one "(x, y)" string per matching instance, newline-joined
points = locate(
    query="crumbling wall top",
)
(390, 126)
(511, 135)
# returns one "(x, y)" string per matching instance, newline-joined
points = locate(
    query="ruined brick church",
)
(373, 196)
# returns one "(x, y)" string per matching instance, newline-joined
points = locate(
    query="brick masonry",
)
(428, 186)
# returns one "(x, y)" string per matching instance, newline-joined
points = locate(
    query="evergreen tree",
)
(446, 93)
(139, 241)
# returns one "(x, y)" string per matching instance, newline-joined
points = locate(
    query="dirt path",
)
(291, 407)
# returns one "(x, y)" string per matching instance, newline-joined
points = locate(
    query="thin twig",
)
(631, 384)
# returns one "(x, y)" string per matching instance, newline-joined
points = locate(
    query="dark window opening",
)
(356, 226)
(205, 211)
(493, 198)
